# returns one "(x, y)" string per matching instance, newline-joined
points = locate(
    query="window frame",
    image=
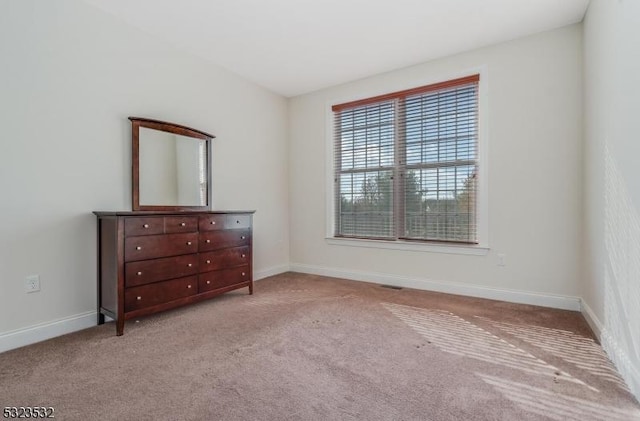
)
(480, 248)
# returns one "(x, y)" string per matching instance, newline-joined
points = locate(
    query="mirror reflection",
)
(173, 169)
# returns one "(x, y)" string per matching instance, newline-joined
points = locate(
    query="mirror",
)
(170, 166)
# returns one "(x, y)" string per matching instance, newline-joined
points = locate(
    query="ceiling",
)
(292, 47)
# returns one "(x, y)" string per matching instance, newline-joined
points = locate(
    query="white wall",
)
(70, 75)
(533, 117)
(611, 276)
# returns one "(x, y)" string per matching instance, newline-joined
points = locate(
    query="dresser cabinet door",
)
(148, 271)
(222, 278)
(161, 292)
(153, 246)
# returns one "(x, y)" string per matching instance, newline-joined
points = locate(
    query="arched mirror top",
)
(170, 166)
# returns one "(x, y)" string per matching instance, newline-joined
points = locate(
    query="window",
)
(406, 164)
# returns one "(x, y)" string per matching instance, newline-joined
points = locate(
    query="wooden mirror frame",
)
(136, 123)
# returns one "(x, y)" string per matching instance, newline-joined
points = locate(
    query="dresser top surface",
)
(180, 213)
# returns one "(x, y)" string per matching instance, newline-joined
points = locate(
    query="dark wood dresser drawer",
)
(143, 226)
(153, 246)
(237, 222)
(219, 239)
(148, 271)
(212, 222)
(222, 278)
(160, 292)
(225, 258)
(174, 224)
(152, 225)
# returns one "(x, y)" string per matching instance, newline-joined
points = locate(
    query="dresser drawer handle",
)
(188, 286)
(243, 256)
(208, 261)
(190, 264)
(138, 298)
(208, 241)
(213, 222)
(208, 282)
(188, 243)
(237, 222)
(145, 226)
(182, 224)
(139, 273)
(243, 274)
(138, 248)
(242, 237)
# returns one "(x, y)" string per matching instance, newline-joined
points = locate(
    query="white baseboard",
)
(274, 270)
(629, 372)
(43, 331)
(592, 320)
(514, 296)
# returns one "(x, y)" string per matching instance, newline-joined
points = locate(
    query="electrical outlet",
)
(502, 259)
(32, 283)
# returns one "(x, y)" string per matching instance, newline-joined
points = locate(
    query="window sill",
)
(468, 249)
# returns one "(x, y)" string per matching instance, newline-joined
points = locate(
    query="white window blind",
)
(406, 164)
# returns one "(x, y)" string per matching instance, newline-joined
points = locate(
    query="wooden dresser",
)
(150, 261)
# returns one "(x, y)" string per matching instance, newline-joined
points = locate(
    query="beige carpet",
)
(314, 348)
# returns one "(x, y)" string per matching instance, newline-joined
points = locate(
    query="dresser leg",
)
(100, 318)
(251, 288)
(119, 327)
